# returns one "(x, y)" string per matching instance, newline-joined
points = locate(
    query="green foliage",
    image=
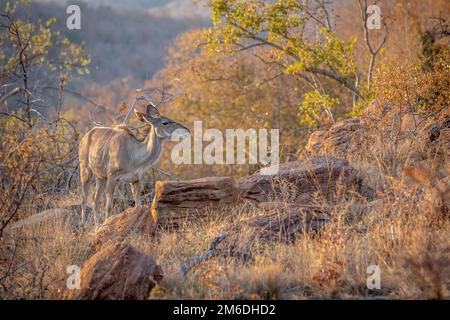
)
(286, 28)
(279, 25)
(314, 103)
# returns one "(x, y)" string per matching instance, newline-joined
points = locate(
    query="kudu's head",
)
(165, 128)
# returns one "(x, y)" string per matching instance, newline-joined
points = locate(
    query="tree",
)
(32, 54)
(35, 153)
(299, 34)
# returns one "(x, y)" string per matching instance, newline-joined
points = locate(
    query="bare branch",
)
(373, 52)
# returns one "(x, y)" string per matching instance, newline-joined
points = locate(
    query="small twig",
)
(211, 252)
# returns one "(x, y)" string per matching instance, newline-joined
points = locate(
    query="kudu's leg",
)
(99, 190)
(86, 182)
(110, 185)
(136, 191)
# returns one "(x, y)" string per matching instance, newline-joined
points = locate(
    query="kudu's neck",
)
(153, 146)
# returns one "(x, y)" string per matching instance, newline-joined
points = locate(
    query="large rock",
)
(286, 224)
(297, 178)
(340, 139)
(133, 222)
(118, 271)
(316, 140)
(175, 200)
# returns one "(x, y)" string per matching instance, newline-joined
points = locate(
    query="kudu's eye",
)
(165, 122)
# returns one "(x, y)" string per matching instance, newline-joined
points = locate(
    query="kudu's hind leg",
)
(99, 190)
(86, 182)
(136, 191)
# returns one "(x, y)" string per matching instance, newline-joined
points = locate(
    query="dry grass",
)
(402, 232)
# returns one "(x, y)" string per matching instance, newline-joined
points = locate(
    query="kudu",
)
(111, 155)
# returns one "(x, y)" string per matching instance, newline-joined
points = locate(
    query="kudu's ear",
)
(152, 111)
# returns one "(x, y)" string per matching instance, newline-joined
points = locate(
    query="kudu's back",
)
(105, 150)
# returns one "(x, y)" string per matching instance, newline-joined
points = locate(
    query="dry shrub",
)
(36, 258)
(33, 161)
(414, 89)
(429, 268)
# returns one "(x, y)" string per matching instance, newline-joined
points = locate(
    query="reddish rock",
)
(316, 141)
(118, 271)
(340, 139)
(133, 222)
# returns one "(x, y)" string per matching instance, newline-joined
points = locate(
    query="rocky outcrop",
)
(316, 140)
(342, 136)
(295, 182)
(118, 271)
(133, 222)
(281, 222)
(340, 139)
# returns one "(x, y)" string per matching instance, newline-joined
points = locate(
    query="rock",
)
(176, 199)
(134, 222)
(277, 225)
(118, 271)
(285, 224)
(340, 139)
(315, 141)
(341, 135)
(297, 178)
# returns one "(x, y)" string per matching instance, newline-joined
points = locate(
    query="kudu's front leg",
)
(86, 181)
(110, 185)
(136, 191)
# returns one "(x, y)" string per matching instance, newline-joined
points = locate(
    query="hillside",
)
(122, 37)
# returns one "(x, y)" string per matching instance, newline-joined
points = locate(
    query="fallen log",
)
(295, 182)
(176, 200)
